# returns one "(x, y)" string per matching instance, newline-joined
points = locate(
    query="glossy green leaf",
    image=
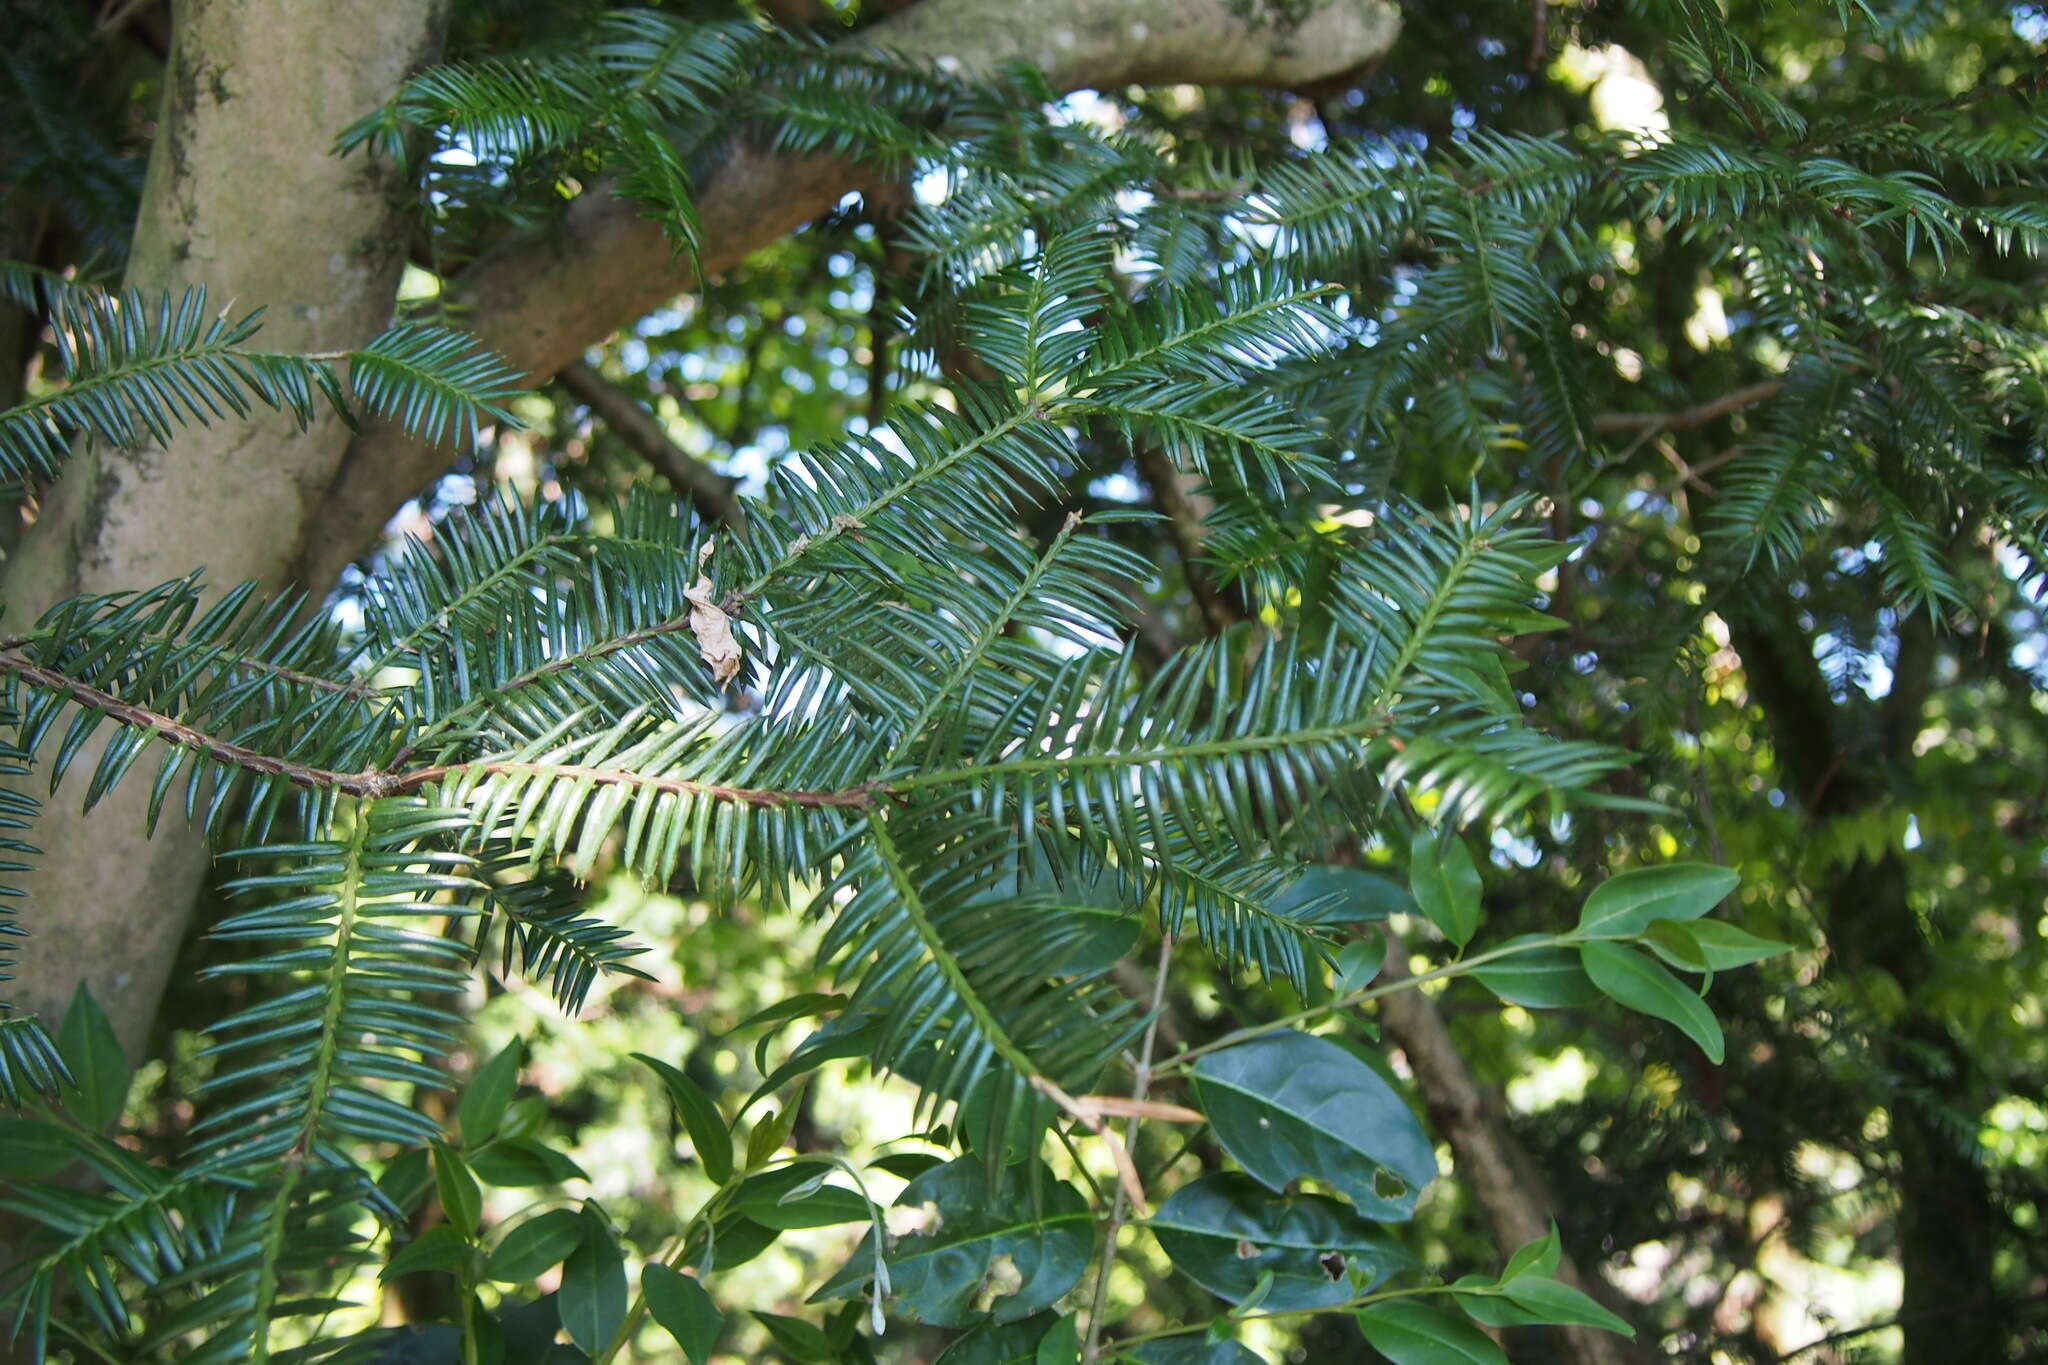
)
(488, 1093)
(769, 1133)
(734, 1241)
(1061, 1344)
(1359, 962)
(1635, 980)
(1343, 895)
(1289, 1105)
(1547, 978)
(1192, 1349)
(683, 1309)
(1726, 947)
(31, 1149)
(406, 1181)
(440, 1247)
(1018, 1246)
(852, 1034)
(710, 1137)
(796, 1196)
(88, 1046)
(1225, 1233)
(1534, 1301)
(1407, 1332)
(461, 1200)
(534, 1246)
(1623, 906)
(1675, 944)
(806, 1005)
(522, 1163)
(907, 1165)
(1445, 883)
(1539, 1256)
(1000, 1343)
(593, 1293)
(801, 1340)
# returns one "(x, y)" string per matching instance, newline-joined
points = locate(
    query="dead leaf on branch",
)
(711, 626)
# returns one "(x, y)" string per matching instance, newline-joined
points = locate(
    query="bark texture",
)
(1509, 1188)
(542, 303)
(687, 477)
(243, 197)
(1841, 760)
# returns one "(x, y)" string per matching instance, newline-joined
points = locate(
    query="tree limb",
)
(1172, 490)
(542, 302)
(709, 491)
(1491, 1163)
(1610, 423)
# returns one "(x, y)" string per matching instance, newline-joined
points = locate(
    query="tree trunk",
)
(1491, 1164)
(242, 196)
(1948, 1222)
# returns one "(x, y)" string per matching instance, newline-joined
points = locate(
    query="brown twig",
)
(1184, 518)
(709, 491)
(1613, 422)
(1141, 1082)
(397, 781)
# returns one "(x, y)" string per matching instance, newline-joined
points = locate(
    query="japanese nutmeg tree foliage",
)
(910, 685)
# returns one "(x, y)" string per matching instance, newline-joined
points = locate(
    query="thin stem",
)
(1141, 1083)
(706, 1213)
(267, 1267)
(330, 1036)
(1700, 415)
(1362, 1301)
(380, 782)
(990, 634)
(1449, 969)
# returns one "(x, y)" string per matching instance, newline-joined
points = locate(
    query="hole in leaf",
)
(1387, 1185)
(1003, 1280)
(1332, 1263)
(1246, 1251)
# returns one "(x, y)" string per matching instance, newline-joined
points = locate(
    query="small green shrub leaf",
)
(684, 1310)
(1634, 980)
(593, 1293)
(1548, 978)
(1411, 1333)
(534, 1246)
(1725, 947)
(1226, 1234)
(709, 1135)
(86, 1042)
(1445, 882)
(488, 1093)
(1359, 962)
(1625, 905)
(1014, 1247)
(461, 1200)
(1290, 1105)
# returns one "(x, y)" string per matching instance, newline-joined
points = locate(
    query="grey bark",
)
(243, 197)
(1510, 1191)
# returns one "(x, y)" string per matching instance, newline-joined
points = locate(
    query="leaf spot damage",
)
(711, 626)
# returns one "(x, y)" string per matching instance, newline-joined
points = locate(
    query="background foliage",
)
(1148, 494)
